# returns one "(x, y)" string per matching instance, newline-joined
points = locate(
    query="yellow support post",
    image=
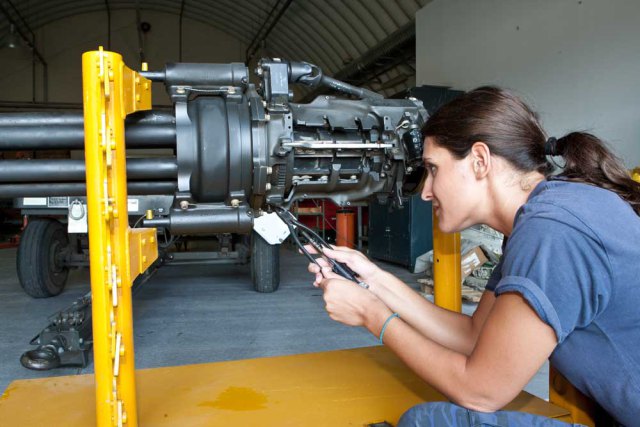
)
(447, 277)
(110, 92)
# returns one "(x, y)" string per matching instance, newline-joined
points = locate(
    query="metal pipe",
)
(79, 189)
(67, 170)
(205, 220)
(188, 74)
(360, 92)
(55, 130)
(196, 74)
(57, 118)
(72, 138)
(392, 46)
(41, 119)
(154, 76)
(13, 106)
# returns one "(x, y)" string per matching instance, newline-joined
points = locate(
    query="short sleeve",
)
(559, 266)
(495, 277)
(496, 274)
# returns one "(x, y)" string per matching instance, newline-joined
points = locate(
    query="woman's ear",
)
(481, 159)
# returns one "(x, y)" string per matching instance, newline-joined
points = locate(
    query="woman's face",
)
(451, 186)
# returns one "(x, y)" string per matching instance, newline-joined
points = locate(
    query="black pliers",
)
(318, 244)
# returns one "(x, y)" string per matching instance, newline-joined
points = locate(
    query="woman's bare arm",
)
(453, 330)
(512, 345)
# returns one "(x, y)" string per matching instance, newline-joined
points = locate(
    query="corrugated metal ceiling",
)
(367, 42)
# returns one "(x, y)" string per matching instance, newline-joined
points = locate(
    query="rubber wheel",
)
(265, 264)
(40, 269)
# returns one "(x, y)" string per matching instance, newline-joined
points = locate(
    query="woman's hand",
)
(355, 260)
(348, 303)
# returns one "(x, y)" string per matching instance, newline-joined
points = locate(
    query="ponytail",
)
(512, 131)
(588, 160)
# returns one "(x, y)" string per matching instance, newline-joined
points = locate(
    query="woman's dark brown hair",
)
(512, 131)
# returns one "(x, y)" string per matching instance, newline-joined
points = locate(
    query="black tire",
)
(265, 264)
(40, 270)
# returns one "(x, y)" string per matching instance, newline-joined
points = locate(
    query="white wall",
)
(63, 42)
(576, 62)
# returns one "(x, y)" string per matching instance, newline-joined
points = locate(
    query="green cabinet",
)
(400, 234)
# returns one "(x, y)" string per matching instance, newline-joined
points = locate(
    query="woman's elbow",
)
(484, 402)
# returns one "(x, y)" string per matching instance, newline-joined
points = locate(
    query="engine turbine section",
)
(241, 149)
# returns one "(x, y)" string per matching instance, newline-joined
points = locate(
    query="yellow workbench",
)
(337, 388)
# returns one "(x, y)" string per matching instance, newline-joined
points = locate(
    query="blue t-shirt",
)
(574, 255)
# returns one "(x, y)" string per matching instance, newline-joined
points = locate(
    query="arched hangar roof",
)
(364, 42)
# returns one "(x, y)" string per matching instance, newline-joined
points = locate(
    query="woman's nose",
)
(427, 194)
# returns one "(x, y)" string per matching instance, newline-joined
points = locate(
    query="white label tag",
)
(271, 228)
(132, 205)
(34, 201)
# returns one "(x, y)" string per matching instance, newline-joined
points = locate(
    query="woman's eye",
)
(433, 170)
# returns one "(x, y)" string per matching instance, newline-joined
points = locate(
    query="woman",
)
(566, 288)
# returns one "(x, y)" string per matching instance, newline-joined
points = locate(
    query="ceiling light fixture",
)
(13, 41)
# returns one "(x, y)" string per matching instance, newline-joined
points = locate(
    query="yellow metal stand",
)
(117, 254)
(447, 277)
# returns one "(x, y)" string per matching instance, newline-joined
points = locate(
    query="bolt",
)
(235, 203)
(160, 210)
(383, 175)
(231, 90)
(267, 186)
(409, 169)
(269, 170)
(259, 71)
(353, 177)
(180, 90)
(184, 205)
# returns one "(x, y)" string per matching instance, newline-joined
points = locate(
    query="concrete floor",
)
(198, 313)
